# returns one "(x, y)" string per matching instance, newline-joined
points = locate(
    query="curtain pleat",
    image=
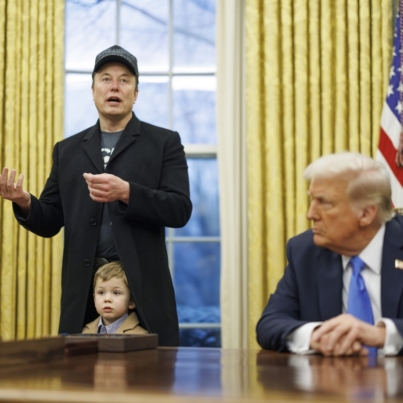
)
(255, 96)
(317, 73)
(31, 121)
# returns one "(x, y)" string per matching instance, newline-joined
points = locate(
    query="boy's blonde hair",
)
(110, 270)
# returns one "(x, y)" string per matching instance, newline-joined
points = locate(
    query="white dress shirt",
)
(298, 341)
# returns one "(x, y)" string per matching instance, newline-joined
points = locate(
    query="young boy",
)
(112, 301)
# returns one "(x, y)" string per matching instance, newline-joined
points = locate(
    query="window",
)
(174, 42)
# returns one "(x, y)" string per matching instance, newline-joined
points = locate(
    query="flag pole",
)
(399, 151)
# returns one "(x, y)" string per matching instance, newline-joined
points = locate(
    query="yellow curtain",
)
(31, 121)
(317, 73)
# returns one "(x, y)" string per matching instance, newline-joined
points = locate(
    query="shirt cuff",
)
(393, 339)
(298, 340)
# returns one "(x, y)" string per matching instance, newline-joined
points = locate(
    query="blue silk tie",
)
(359, 304)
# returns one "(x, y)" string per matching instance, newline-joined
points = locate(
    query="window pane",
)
(197, 281)
(90, 28)
(152, 103)
(200, 337)
(80, 111)
(194, 108)
(144, 32)
(194, 35)
(203, 177)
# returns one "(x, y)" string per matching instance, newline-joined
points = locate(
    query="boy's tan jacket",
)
(129, 326)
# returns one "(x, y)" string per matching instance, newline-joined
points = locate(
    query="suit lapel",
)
(391, 278)
(129, 323)
(92, 146)
(330, 283)
(91, 327)
(92, 142)
(130, 135)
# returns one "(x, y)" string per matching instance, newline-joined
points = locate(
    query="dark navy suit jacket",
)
(311, 288)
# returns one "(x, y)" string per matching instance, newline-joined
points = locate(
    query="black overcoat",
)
(152, 160)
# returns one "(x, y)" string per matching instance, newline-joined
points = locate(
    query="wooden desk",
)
(203, 375)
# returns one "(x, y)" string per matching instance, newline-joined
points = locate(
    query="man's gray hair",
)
(368, 179)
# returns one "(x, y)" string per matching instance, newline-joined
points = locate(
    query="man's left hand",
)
(106, 188)
(344, 331)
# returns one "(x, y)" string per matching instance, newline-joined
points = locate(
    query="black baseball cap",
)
(117, 54)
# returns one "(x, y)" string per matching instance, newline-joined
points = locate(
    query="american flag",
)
(390, 149)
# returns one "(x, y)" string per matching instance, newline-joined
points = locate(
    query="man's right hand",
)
(14, 192)
(346, 335)
(322, 346)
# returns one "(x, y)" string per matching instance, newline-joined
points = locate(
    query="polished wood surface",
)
(202, 375)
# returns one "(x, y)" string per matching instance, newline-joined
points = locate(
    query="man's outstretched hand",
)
(13, 191)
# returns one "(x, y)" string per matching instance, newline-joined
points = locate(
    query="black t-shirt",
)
(106, 245)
